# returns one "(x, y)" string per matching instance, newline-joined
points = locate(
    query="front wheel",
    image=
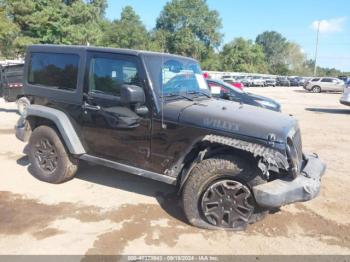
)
(217, 194)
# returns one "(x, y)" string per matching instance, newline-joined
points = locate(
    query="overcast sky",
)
(297, 20)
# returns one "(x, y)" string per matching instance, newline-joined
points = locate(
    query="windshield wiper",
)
(178, 95)
(198, 92)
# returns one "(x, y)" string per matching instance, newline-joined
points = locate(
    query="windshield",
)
(172, 75)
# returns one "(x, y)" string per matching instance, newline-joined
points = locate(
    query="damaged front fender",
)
(269, 156)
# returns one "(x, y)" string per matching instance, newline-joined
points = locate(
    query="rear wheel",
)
(218, 194)
(316, 89)
(50, 161)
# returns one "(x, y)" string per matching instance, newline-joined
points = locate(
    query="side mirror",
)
(131, 94)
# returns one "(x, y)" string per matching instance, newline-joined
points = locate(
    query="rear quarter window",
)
(54, 70)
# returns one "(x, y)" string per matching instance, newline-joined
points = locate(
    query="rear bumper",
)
(305, 187)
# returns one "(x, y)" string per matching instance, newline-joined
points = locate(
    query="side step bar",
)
(129, 169)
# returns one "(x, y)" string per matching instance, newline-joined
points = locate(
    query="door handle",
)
(87, 106)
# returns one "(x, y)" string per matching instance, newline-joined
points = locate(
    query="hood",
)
(231, 117)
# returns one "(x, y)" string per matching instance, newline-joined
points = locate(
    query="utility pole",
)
(318, 32)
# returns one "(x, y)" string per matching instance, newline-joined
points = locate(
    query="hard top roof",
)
(103, 49)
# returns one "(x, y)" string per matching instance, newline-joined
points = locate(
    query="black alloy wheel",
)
(46, 155)
(225, 204)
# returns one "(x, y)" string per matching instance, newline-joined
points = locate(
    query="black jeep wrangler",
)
(151, 114)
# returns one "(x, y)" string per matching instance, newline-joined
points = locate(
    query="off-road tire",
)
(66, 165)
(212, 170)
(316, 89)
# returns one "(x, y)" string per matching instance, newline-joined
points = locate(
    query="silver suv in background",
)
(345, 99)
(321, 84)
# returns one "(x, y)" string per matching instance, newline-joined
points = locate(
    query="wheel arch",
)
(211, 145)
(316, 86)
(41, 115)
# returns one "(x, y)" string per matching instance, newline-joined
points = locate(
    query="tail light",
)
(15, 85)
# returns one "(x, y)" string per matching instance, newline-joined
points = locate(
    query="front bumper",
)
(345, 100)
(285, 191)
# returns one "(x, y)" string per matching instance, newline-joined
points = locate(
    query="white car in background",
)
(258, 81)
(345, 99)
(321, 84)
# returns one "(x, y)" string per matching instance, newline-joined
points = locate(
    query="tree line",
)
(184, 27)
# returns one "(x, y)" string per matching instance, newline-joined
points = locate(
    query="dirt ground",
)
(102, 211)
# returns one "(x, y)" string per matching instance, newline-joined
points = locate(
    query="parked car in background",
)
(269, 81)
(228, 77)
(11, 85)
(282, 81)
(235, 83)
(345, 99)
(220, 89)
(301, 81)
(323, 84)
(344, 78)
(307, 80)
(244, 80)
(258, 81)
(294, 81)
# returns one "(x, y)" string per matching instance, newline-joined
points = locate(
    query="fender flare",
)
(63, 124)
(270, 156)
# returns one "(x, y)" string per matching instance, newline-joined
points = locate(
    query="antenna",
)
(162, 95)
(316, 51)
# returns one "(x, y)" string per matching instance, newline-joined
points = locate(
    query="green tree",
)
(295, 59)
(56, 21)
(8, 35)
(192, 28)
(242, 55)
(127, 32)
(158, 40)
(82, 24)
(275, 47)
(212, 61)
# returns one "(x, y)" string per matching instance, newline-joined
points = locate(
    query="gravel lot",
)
(102, 211)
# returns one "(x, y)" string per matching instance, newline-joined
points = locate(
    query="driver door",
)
(112, 129)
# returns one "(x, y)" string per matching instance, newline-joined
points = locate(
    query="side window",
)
(59, 71)
(315, 80)
(107, 75)
(326, 80)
